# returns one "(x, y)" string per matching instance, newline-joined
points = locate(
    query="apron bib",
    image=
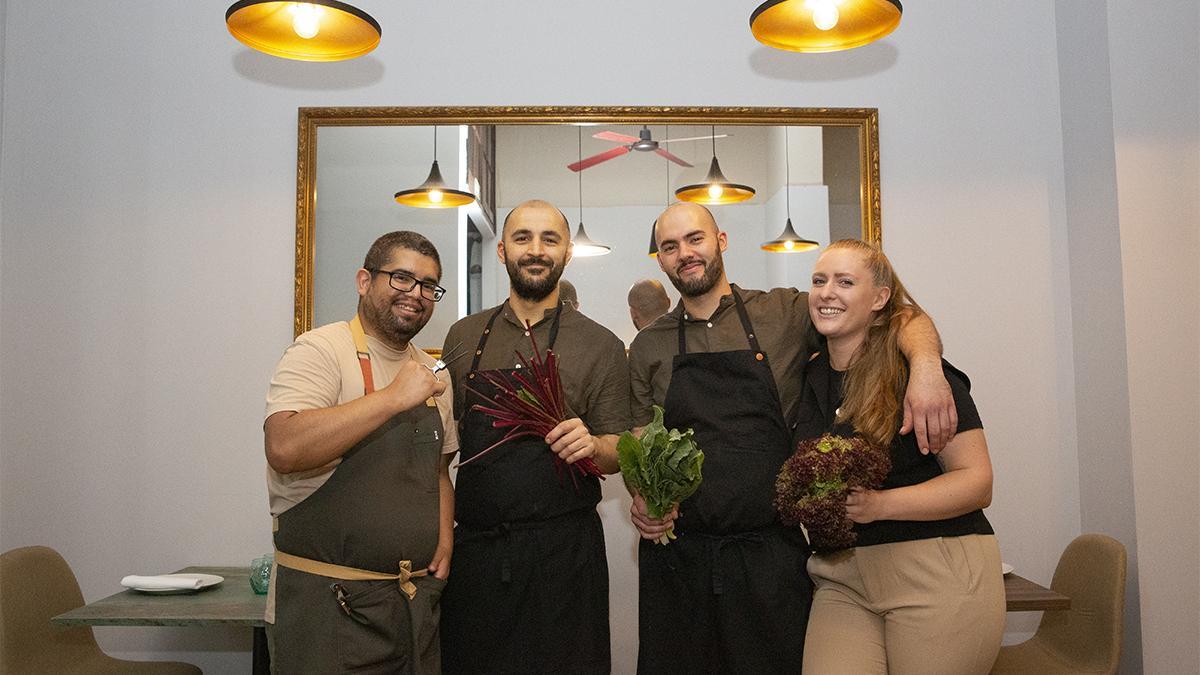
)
(380, 506)
(734, 576)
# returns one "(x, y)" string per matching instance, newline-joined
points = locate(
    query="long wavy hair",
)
(878, 373)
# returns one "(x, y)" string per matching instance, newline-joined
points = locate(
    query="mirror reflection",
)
(629, 172)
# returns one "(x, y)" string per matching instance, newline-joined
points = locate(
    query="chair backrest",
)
(1091, 572)
(35, 585)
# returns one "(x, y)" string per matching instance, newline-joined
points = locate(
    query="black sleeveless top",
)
(821, 395)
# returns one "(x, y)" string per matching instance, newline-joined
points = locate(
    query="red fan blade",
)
(615, 137)
(596, 159)
(671, 157)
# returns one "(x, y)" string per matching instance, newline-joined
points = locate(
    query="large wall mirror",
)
(822, 164)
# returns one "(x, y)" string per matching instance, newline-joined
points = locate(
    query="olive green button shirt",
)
(781, 324)
(591, 362)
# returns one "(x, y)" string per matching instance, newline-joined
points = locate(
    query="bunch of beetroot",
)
(813, 484)
(530, 402)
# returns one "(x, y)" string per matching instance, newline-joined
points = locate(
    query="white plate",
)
(206, 580)
(1006, 569)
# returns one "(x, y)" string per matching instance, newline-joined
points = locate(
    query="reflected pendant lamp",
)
(789, 241)
(319, 30)
(582, 245)
(433, 193)
(816, 26)
(716, 188)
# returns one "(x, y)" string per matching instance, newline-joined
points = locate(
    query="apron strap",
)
(364, 354)
(324, 569)
(487, 330)
(746, 326)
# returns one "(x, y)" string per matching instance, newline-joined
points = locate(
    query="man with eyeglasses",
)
(359, 431)
(530, 587)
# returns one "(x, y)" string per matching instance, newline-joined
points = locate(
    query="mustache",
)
(528, 260)
(684, 263)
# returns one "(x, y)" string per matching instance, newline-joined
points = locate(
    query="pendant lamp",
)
(823, 25)
(584, 247)
(433, 193)
(716, 188)
(318, 30)
(789, 241)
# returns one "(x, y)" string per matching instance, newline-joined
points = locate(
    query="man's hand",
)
(929, 407)
(414, 384)
(571, 440)
(652, 529)
(440, 566)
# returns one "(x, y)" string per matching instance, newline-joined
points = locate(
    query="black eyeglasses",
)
(405, 282)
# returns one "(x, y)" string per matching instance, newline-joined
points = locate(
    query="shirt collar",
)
(511, 316)
(723, 304)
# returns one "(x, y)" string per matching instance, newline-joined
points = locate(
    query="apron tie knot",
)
(717, 544)
(407, 587)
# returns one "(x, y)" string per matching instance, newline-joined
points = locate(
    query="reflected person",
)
(647, 301)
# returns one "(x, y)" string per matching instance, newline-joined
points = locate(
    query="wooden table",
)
(230, 603)
(1022, 595)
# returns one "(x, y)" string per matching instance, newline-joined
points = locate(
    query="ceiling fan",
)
(642, 142)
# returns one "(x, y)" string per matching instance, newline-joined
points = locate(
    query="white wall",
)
(159, 156)
(1155, 66)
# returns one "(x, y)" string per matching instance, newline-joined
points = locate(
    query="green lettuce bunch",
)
(663, 466)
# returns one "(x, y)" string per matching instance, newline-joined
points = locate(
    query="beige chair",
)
(35, 585)
(1087, 637)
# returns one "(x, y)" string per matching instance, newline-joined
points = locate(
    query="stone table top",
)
(229, 603)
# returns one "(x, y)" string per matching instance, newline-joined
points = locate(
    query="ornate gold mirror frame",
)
(866, 120)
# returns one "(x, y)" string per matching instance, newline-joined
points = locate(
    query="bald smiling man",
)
(529, 592)
(731, 593)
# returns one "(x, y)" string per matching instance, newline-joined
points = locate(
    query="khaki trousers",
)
(927, 606)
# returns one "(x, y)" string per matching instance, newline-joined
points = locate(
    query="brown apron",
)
(377, 514)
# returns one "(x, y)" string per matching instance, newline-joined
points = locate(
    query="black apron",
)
(529, 586)
(380, 506)
(731, 593)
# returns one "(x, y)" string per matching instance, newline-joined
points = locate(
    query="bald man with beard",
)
(530, 587)
(731, 594)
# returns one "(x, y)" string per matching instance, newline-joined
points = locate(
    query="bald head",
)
(647, 301)
(538, 209)
(683, 217)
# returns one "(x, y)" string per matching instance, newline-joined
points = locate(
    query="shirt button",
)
(710, 324)
(526, 333)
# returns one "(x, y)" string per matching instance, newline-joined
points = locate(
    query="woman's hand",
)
(865, 506)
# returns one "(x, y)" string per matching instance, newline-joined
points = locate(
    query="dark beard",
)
(698, 287)
(390, 329)
(533, 290)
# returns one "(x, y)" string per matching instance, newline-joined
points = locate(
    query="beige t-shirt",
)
(320, 370)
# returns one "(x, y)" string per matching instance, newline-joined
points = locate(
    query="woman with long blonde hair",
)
(921, 590)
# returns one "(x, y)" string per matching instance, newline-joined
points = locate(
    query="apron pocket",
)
(376, 635)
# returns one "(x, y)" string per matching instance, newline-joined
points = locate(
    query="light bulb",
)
(715, 191)
(789, 245)
(306, 19)
(435, 196)
(825, 15)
